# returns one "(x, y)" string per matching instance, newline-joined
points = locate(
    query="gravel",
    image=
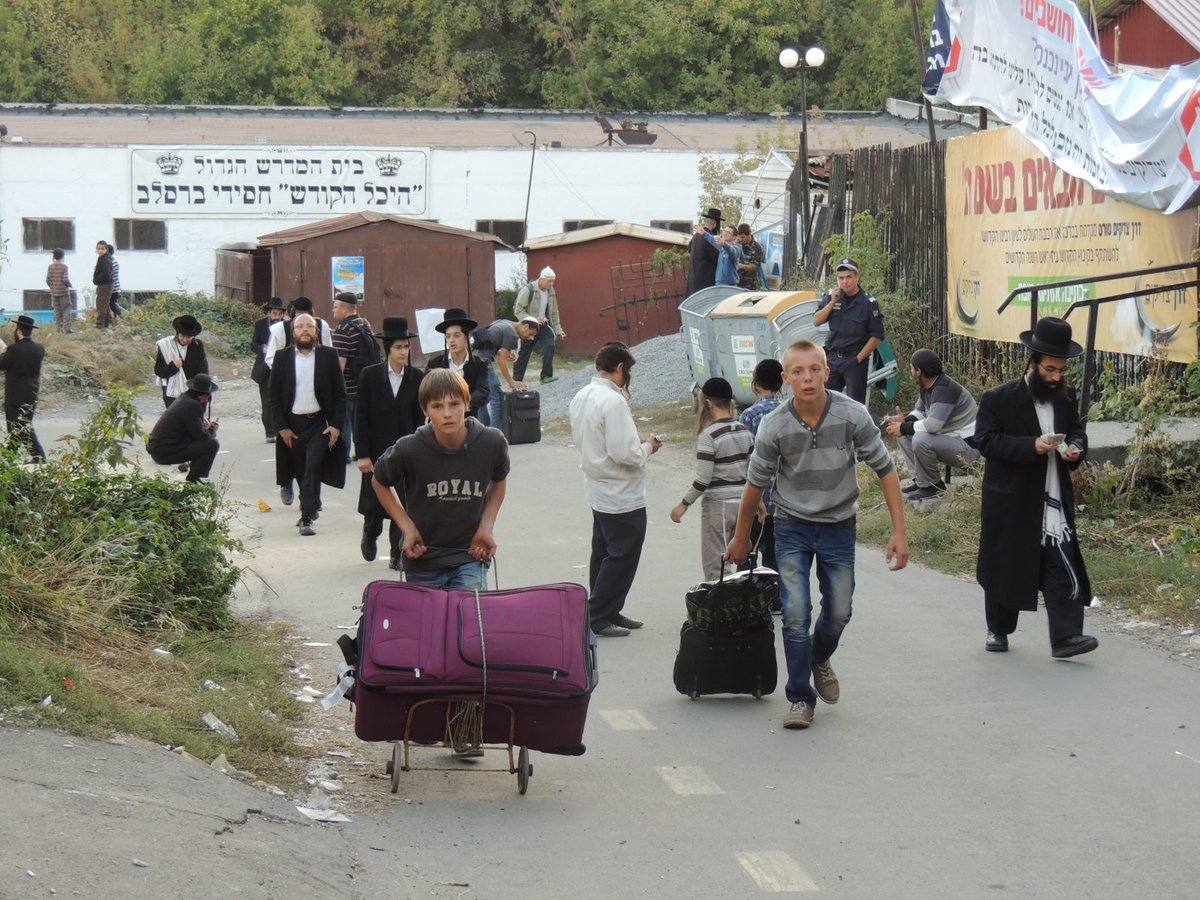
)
(661, 375)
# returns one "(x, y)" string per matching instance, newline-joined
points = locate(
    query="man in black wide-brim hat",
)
(184, 433)
(1030, 433)
(702, 266)
(22, 366)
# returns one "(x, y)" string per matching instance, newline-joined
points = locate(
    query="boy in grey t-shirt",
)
(453, 471)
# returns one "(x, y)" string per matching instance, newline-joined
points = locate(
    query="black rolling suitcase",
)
(741, 663)
(521, 417)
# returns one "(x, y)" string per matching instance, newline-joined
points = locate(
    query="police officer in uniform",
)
(855, 330)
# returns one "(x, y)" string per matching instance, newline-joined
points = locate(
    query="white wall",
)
(91, 185)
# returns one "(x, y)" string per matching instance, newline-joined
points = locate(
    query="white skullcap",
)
(547, 273)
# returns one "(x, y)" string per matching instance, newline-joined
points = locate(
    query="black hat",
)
(276, 303)
(302, 305)
(1051, 337)
(202, 383)
(395, 328)
(186, 325)
(846, 263)
(712, 213)
(717, 389)
(25, 322)
(926, 359)
(769, 374)
(346, 297)
(455, 316)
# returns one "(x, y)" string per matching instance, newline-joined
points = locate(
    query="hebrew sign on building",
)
(1015, 219)
(262, 181)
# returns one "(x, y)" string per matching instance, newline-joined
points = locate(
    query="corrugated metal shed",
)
(606, 287)
(1153, 33)
(408, 265)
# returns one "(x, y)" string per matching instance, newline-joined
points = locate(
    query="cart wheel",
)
(394, 768)
(524, 770)
(758, 688)
(693, 695)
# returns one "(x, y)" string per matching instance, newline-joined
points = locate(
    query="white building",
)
(169, 186)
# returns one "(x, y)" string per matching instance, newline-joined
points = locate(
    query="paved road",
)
(945, 771)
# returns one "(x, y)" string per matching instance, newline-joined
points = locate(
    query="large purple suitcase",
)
(528, 650)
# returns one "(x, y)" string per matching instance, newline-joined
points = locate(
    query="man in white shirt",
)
(308, 403)
(280, 333)
(614, 479)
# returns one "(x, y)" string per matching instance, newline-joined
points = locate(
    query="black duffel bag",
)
(736, 602)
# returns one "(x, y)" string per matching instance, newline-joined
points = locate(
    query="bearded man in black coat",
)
(1030, 433)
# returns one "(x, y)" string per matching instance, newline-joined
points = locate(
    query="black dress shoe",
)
(997, 643)
(1073, 646)
(369, 547)
(626, 622)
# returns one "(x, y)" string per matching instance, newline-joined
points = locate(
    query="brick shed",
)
(407, 265)
(606, 289)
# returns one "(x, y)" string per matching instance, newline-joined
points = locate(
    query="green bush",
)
(148, 552)
(228, 324)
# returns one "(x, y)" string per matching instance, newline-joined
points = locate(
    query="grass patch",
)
(1144, 562)
(90, 360)
(114, 683)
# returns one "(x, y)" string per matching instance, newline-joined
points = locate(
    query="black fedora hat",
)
(276, 303)
(1051, 337)
(302, 305)
(712, 213)
(202, 383)
(186, 325)
(26, 322)
(395, 328)
(455, 316)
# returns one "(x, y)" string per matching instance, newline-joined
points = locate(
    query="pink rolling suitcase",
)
(528, 649)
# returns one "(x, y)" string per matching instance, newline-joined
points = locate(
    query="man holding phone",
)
(1031, 436)
(855, 330)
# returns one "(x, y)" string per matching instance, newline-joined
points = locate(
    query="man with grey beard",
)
(308, 405)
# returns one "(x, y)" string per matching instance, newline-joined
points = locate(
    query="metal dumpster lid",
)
(761, 304)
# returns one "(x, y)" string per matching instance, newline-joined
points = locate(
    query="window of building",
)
(511, 231)
(47, 234)
(139, 234)
(672, 225)
(576, 224)
(36, 299)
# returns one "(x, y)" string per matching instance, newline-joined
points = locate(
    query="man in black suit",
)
(1030, 433)
(261, 373)
(22, 367)
(702, 271)
(308, 403)
(185, 434)
(387, 409)
(458, 357)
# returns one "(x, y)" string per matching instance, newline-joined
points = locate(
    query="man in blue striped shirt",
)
(810, 447)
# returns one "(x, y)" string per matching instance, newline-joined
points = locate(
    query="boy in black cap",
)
(855, 330)
(457, 328)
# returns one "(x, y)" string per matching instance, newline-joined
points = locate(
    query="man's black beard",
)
(1041, 389)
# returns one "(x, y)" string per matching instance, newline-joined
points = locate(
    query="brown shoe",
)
(825, 682)
(799, 716)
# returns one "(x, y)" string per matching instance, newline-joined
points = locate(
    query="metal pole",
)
(804, 202)
(528, 190)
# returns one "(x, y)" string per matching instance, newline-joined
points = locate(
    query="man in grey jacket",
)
(935, 432)
(537, 299)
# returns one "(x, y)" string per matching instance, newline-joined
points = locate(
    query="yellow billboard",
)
(1014, 219)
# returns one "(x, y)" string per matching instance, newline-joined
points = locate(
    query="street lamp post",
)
(789, 58)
